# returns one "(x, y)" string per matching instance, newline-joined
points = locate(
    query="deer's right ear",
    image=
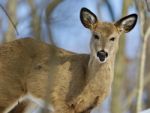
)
(88, 18)
(127, 23)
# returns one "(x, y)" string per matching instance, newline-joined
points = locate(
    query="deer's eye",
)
(96, 36)
(112, 39)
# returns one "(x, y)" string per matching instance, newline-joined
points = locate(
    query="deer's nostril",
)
(106, 54)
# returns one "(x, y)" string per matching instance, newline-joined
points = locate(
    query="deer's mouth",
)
(102, 55)
(102, 59)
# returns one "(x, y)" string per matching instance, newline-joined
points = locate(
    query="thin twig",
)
(140, 82)
(110, 10)
(147, 4)
(131, 95)
(14, 26)
(141, 74)
(49, 11)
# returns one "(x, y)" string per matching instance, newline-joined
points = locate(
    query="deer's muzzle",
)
(102, 55)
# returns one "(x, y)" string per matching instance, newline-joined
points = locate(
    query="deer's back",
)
(30, 65)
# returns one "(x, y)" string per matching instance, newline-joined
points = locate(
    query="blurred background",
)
(57, 22)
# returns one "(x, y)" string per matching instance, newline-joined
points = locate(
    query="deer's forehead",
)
(105, 29)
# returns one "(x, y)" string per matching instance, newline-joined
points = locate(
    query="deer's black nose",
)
(102, 55)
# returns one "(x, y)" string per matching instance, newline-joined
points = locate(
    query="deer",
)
(81, 82)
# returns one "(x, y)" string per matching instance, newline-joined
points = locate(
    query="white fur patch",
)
(41, 103)
(32, 108)
(11, 107)
(128, 21)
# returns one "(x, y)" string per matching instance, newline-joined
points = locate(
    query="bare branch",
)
(49, 11)
(110, 10)
(144, 36)
(13, 24)
(131, 95)
(36, 20)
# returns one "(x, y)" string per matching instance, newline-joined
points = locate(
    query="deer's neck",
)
(97, 69)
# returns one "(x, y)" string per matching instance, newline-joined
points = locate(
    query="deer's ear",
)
(87, 18)
(127, 23)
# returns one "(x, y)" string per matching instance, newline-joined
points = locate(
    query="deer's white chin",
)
(102, 61)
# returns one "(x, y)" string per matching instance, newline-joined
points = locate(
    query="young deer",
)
(81, 81)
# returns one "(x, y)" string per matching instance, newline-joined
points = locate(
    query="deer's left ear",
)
(88, 18)
(127, 23)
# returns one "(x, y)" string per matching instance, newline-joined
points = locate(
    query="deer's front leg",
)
(81, 104)
(89, 98)
(84, 101)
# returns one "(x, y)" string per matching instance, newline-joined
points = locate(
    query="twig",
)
(110, 10)
(14, 26)
(141, 74)
(131, 95)
(147, 4)
(49, 11)
(142, 57)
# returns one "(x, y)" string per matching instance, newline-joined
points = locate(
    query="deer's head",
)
(105, 36)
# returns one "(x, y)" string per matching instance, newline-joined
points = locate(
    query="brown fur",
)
(79, 82)
(22, 59)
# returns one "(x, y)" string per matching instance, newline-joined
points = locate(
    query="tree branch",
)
(142, 67)
(49, 11)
